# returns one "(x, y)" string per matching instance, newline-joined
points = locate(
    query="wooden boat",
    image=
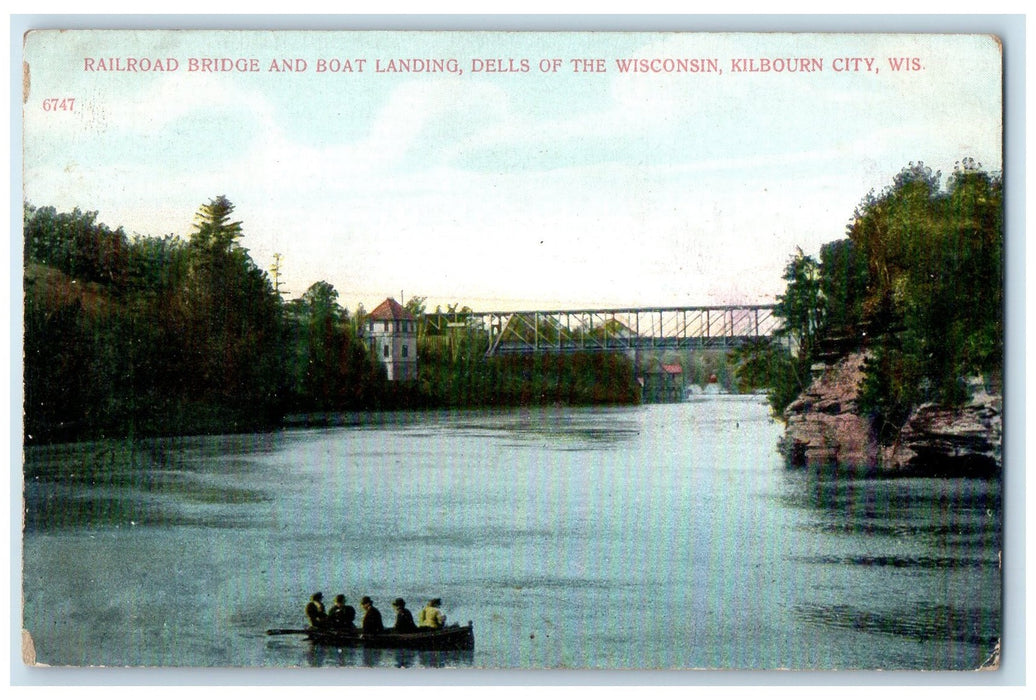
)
(453, 637)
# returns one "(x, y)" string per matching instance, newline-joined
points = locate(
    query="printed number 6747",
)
(59, 104)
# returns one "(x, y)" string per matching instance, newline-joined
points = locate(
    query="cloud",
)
(579, 187)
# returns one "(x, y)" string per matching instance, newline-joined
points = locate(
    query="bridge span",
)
(611, 330)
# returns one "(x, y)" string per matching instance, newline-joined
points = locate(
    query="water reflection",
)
(319, 655)
(570, 430)
(877, 498)
(52, 511)
(926, 553)
(912, 562)
(446, 659)
(922, 622)
(128, 484)
(894, 529)
(959, 513)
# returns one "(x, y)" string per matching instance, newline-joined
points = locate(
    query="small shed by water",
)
(662, 383)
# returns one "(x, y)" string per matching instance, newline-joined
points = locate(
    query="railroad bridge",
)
(611, 330)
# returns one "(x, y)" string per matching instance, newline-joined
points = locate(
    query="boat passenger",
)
(315, 610)
(371, 617)
(404, 620)
(341, 616)
(431, 616)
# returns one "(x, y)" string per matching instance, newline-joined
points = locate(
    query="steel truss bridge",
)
(611, 330)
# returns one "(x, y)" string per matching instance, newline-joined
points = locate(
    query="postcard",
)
(513, 350)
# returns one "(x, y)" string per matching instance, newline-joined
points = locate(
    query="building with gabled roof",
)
(662, 382)
(392, 334)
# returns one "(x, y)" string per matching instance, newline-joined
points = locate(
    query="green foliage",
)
(146, 336)
(800, 305)
(232, 329)
(416, 306)
(918, 282)
(156, 265)
(843, 286)
(213, 229)
(54, 376)
(890, 231)
(804, 308)
(935, 297)
(166, 335)
(454, 372)
(75, 244)
(769, 365)
(892, 386)
(329, 368)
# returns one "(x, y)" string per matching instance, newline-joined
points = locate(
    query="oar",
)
(287, 631)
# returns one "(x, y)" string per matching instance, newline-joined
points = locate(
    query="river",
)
(654, 537)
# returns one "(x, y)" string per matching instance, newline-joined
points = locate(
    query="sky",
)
(551, 188)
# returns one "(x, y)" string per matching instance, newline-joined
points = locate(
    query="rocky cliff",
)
(825, 429)
(951, 442)
(824, 426)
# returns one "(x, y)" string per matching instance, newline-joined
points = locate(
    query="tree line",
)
(135, 335)
(917, 282)
(455, 372)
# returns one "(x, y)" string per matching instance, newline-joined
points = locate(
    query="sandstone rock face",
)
(951, 442)
(824, 427)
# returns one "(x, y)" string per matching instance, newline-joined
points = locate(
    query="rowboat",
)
(453, 637)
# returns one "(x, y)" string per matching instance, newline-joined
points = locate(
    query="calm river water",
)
(660, 537)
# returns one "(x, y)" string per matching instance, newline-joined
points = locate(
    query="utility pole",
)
(275, 269)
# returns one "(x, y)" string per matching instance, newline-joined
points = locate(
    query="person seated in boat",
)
(430, 615)
(371, 623)
(341, 616)
(315, 611)
(404, 620)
